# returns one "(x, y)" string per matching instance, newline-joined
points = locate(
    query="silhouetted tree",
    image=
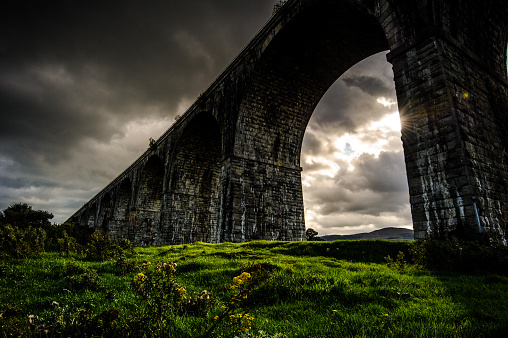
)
(311, 234)
(22, 215)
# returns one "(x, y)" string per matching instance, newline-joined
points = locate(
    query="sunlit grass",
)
(317, 289)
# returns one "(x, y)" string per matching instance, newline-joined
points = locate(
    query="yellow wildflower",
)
(242, 278)
(140, 277)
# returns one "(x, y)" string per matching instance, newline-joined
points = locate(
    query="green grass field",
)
(313, 289)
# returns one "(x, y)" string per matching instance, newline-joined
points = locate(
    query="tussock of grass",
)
(316, 289)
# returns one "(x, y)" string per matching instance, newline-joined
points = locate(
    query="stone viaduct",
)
(229, 168)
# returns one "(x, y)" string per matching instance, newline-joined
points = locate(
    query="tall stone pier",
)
(229, 168)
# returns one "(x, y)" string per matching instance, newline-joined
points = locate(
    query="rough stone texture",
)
(449, 66)
(228, 169)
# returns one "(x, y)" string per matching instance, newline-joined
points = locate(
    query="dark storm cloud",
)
(334, 110)
(377, 185)
(312, 144)
(386, 173)
(75, 76)
(351, 101)
(68, 69)
(370, 85)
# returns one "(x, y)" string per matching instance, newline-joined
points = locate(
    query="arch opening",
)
(120, 221)
(144, 229)
(194, 183)
(354, 176)
(105, 213)
(92, 213)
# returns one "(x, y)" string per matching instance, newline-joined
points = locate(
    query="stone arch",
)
(306, 56)
(144, 228)
(105, 213)
(194, 183)
(150, 185)
(299, 65)
(123, 201)
(92, 214)
(347, 122)
(444, 138)
(120, 220)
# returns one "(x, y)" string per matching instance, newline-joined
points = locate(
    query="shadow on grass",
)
(367, 251)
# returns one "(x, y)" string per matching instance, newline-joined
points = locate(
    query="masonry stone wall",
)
(229, 168)
(451, 89)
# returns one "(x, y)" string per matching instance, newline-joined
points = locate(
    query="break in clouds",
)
(83, 86)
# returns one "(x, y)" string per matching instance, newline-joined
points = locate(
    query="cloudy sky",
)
(84, 85)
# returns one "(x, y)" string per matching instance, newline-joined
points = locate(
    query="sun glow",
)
(389, 122)
(371, 139)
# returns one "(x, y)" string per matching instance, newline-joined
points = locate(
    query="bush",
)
(162, 295)
(399, 263)
(21, 243)
(460, 256)
(166, 301)
(67, 244)
(102, 247)
(233, 315)
(67, 321)
(78, 236)
(123, 267)
(89, 280)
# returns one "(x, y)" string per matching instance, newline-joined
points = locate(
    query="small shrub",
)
(233, 315)
(164, 300)
(102, 247)
(72, 268)
(162, 295)
(126, 246)
(67, 244)
(124, 267)
(399, 263)
(89, 279)
(66, 238)
(19, 242)
(460, 256)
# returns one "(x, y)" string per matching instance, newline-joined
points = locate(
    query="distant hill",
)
(386, 233)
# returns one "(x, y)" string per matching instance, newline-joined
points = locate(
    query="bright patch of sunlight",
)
(371, 139)
(389, 122)
(385, 102)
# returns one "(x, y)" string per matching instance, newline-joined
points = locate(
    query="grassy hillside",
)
(255, 289)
